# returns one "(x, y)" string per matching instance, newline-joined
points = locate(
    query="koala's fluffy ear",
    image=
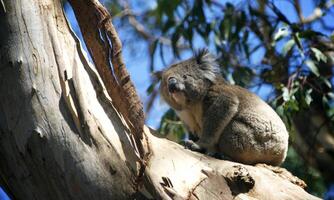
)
(207, 62)
(157, 75)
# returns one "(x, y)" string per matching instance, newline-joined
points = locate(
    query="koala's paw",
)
(189, 144)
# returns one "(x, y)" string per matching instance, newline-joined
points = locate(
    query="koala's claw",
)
(189, 144)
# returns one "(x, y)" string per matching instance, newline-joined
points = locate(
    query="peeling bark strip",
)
(104, 46)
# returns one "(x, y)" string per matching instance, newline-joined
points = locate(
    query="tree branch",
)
(317, 13)
(105, 47)
(298, 9)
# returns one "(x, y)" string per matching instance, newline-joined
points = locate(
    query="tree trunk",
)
(65, 133)
(58, 129)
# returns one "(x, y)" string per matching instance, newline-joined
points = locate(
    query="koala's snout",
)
(172, 85)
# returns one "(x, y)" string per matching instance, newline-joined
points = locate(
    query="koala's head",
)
(187, 82)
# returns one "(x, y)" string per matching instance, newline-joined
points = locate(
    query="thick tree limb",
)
(60, 137)
(177, 173)
(105, 47)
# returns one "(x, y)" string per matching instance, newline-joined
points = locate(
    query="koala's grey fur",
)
(226, 118)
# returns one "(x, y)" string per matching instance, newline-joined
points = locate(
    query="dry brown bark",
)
(69, 130)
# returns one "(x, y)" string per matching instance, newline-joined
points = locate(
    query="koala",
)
(227, 119)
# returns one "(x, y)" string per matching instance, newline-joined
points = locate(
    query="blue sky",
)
(3, 195)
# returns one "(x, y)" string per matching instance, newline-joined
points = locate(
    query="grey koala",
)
(227, 119)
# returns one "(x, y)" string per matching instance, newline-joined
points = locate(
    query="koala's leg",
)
(247, 144)
(237, 142)
(215, 119)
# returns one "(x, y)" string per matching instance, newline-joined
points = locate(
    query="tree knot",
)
(239, 180)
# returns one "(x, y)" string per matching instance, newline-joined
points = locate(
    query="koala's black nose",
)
(172, 84)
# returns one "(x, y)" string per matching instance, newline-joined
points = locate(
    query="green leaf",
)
(175, 38)
(246, 50)
(240, 21)
(311, 65)
(226, 25)
(281, 33)
(324, 100)
(188, 34)
(242, 76)
(332, 37)
(229, 8)
(280, 110)
(299, 44)
(330, 112)
(291, 105)
(288, 46)
(319, 55)
(152, 49)
(308, 97)
(217, 40)
(309, 34)
(330, 95)
(169, 24)
(285, 94)
(326, 81)
(208, 29)
(199, 12)
(150, 88)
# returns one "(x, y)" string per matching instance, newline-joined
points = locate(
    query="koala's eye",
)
(184, 76)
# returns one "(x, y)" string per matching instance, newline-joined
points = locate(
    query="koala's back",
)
(256, 133)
